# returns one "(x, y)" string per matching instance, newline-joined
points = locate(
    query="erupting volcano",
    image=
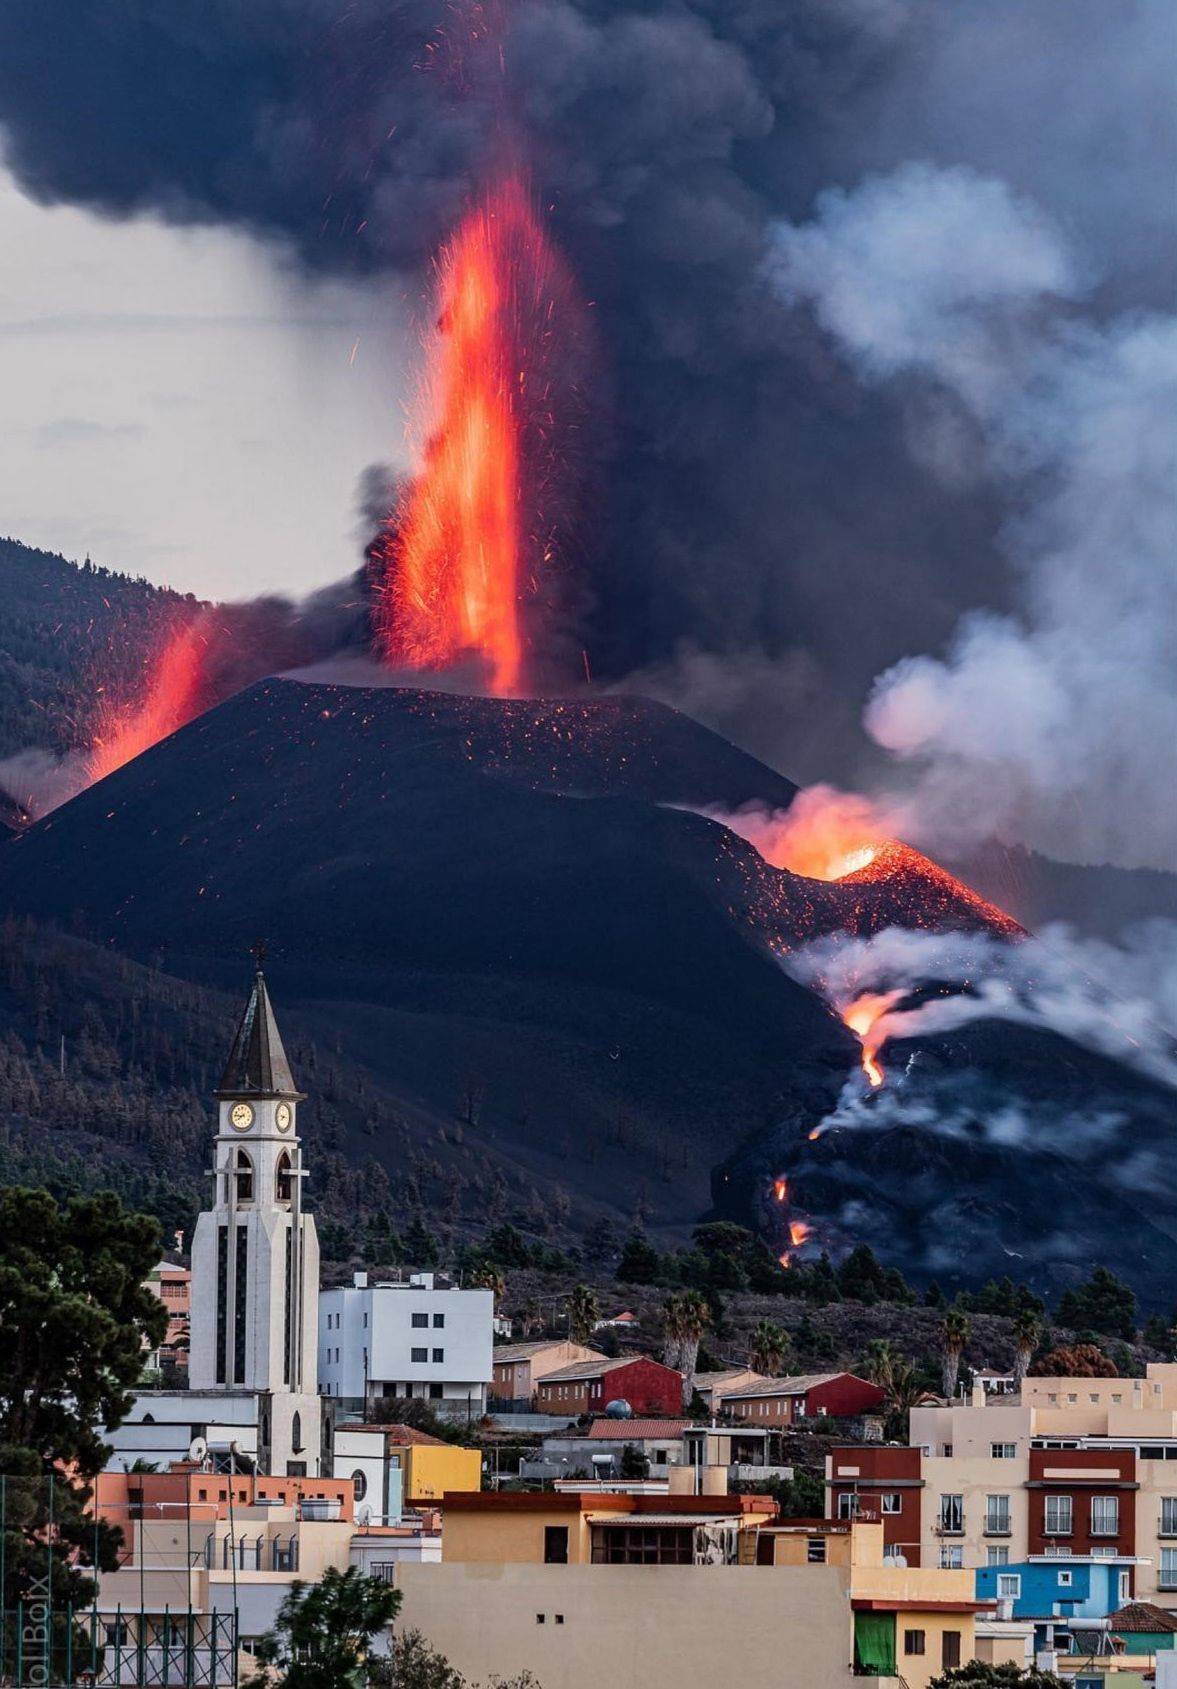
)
(473, 537)
(172, 695)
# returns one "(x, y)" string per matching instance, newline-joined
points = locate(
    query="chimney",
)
(360, 1281)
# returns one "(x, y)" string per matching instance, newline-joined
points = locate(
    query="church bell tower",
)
(255, 1255)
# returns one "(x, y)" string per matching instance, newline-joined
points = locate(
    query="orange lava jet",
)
(780, 1188)
(172, 696)
(469, 540)
(798, 1232)
(864, 1017)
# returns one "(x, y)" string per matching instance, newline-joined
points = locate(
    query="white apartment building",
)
(409, 1339)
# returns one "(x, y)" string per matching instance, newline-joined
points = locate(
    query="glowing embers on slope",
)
(474, 534)
(172, 694)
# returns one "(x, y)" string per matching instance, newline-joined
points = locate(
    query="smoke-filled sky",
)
(883, 415)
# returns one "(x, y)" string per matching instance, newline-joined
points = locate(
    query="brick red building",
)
(880, 1484)
(1082, 1500)
(589, 1386)
(780, 1401)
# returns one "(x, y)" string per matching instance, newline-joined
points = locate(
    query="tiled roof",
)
(799, 1386)
(586, 1369)
(405, 1434)
(524, 1351)
(709, 1380)
(636, 1430)
(1142, 1615)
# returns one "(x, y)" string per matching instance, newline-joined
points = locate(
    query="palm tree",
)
(694, 1316)
(489, 1277)
(583, 1312)
(672, 1334)
(905, 1391)
(770, 1345)
(1027, 1333)
(954, 1334)
(880, 1363)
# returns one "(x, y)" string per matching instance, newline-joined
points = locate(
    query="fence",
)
(40, 1649)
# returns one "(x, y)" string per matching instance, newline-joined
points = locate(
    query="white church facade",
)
(253, 1362)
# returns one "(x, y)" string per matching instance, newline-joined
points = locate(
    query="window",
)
(439, 1355)
(816, 1551)
(997, 1515)
(418, 1355)
(997, 1556)
(1066, 1580)
(244, 1171)
(1003, 1451)
(892, 1503)
(283, 1181)
(435, 1392)
(1105, 1515)
(847, 1505)
(1102, 1553)
(914, 1642)
(1058, 1515)
(1167, 1578)
(359, 1484)
(438, 1325)
(950, 1649)
(951, 1557)
(555, 1545)
(1125, 1586)
(951, 1513)
(420, 1322)
(1169, 1515)
(948, 1451)
(296, 1433)
(1009, 1586)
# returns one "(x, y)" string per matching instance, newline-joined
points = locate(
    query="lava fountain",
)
(172, 695)
(472, 537)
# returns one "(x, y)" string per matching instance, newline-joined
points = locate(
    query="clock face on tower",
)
(283, 1117)
(241, 1115)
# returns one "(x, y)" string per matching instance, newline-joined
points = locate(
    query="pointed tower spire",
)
(257, 1064)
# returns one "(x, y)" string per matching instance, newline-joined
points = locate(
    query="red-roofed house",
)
(781, 1401)
(589, 1387)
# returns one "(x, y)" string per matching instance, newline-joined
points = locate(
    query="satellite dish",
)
(619, 1409)
(198, 1451)
(364, 1514)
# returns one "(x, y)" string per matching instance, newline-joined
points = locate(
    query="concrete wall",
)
(636, 1627)
(975, 1479)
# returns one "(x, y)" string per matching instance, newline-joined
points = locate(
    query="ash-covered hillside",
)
(544, 974)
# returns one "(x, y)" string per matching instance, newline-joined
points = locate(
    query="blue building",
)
(1077, 1587)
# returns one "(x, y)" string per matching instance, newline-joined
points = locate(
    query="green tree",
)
(412, 1664)
(584, 1311)
(954, 1334)
(978, 1675)
(640, 1262)
(634, 1464)
(75, 1321)
(1105, 1304)
(862, 1277)
(324, 1631)
(880, 1362)
(770, 1346)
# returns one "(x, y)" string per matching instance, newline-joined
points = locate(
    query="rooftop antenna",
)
(258, 952)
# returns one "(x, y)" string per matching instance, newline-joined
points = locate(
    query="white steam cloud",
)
(1057, 728)
(1118, 1000)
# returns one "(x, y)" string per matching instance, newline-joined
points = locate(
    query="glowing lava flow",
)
(172, 697)
(467, 540)
(864, 1016)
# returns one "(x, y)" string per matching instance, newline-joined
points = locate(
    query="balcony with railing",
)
(247, 1553)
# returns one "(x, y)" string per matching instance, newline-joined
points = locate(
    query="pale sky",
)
(179, 404)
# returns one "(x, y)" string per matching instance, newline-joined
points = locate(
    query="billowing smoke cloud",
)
(1056, 727)
(750, 492)
(1119, 1000)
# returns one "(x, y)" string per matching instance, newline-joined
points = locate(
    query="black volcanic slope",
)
(486, 911)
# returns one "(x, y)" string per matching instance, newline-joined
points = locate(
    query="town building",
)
(403, 1339)
(173, 1286)
(573, 1585)
(713, 1387)
(782, 1401)
(519, 1368)
(252, 1372)
(646, 1386)
(392, 1468)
